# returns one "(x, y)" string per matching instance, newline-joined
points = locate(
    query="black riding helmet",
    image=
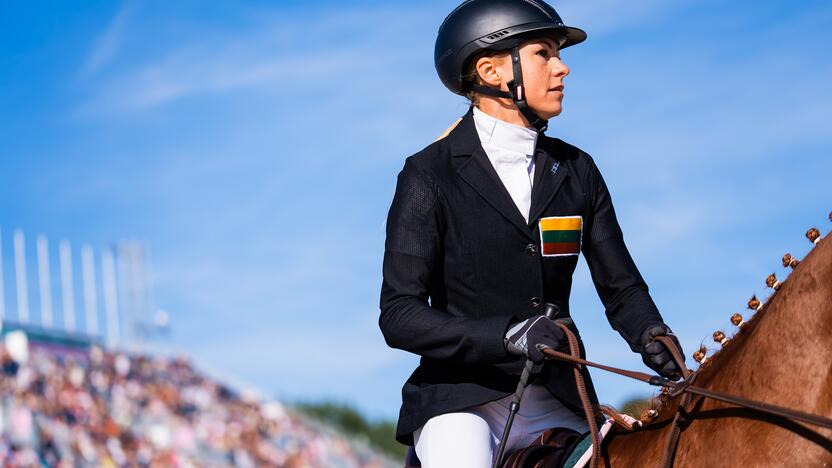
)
(497, 25)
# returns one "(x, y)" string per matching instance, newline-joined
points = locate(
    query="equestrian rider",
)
(486, 225)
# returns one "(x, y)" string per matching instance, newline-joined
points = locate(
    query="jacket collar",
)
(463, 139)
(510, 140)
(473, 166)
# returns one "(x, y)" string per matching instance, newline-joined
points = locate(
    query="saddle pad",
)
(583, 450)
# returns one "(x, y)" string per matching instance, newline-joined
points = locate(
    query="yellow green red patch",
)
(561, 235)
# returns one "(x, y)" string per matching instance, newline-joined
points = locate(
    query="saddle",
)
(551, 450)
(564, 448)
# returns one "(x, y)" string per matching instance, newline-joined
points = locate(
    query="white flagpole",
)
(139, 283)
(108, 272)
(128, 292)
(20, 276)
(90, 301)
(45, 282)
(67, 291)
(2, 288)
(148, 284)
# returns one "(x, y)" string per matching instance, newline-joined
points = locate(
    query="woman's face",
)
(543, 74)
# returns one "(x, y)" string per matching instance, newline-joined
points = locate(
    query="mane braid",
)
(661, 402)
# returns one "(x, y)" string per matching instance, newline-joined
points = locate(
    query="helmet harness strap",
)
(516, 92)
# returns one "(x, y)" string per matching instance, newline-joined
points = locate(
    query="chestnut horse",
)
(781, 356)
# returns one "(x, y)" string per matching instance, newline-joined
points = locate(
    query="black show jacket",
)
(461, 264)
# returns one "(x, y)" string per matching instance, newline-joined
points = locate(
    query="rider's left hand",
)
(656, 356)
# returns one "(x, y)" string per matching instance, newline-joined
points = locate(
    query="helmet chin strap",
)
(517, 93)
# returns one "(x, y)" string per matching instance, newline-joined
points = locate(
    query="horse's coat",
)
(781, 356)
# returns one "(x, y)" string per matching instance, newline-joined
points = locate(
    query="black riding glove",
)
(523, 338)
(656, 356)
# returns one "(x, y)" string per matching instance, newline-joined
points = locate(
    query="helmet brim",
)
(568, 34)
(573, 36)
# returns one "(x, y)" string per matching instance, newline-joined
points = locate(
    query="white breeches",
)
(469, 438)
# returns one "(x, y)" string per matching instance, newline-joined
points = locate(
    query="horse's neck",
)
(783, 355)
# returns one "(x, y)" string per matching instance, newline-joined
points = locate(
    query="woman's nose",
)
(559, 68)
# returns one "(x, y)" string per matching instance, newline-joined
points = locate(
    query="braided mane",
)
(662, 406)
(779, 356)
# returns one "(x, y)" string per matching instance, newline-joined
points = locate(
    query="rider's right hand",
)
(656, 355)
(523, 338)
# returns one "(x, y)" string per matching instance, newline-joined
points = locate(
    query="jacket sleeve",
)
(629, 307)
(412, 265)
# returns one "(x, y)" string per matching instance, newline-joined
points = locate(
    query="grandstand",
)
(70, 402)
(72, 396)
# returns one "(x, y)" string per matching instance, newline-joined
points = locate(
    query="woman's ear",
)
(488, 71)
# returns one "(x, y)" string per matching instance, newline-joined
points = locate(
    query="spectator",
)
(113, 409)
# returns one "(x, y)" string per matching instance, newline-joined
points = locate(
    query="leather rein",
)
(685, 388)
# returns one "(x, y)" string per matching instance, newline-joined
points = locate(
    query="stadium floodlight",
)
(44, 282)
(67, 291)
(90, 300)
(20, 277)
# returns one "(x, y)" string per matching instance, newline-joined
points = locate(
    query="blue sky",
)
(255, 145)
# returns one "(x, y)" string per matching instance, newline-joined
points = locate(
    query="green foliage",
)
(379, 434)
(636, 406)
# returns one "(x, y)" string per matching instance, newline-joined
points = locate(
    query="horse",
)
(781, 356)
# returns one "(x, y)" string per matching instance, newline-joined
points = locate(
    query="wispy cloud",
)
(272, 51)
(107, 44)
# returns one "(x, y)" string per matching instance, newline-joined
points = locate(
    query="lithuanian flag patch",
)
(561, 235)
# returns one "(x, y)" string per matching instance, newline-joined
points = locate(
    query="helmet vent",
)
(497, 35)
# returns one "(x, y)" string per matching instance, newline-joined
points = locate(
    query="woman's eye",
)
(543, 54)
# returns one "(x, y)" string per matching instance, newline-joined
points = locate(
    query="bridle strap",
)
(657, 381)
(679, 419)
(774, 410)
(586, 403)
(683, 388)
(670, 345)
(679, 423)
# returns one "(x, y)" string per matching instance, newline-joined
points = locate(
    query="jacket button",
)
(535, 302)
(531, 249)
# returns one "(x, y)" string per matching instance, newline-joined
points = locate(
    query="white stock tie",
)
(513, 170)
(510, 149)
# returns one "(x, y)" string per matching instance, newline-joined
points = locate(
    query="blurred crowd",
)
(106, 409)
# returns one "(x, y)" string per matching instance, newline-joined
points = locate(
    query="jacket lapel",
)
(476, 170)
(549, 176)
(481, 176)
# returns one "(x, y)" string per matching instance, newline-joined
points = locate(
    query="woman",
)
(486, 226)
